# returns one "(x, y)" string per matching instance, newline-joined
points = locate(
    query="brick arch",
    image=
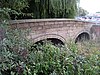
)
(85, 34)
(48, 36)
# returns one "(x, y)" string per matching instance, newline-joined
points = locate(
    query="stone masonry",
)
(62, 29)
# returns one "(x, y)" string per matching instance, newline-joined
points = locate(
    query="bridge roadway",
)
(54, 29)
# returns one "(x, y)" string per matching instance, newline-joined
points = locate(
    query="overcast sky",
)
(91, 6)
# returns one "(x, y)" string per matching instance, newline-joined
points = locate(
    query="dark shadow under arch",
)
(54, 41)
(82, 37)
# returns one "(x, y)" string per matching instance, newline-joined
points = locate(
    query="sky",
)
(91, 6)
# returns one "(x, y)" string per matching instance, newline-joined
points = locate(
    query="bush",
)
(18, 57)
(50, 60)
(13, 50)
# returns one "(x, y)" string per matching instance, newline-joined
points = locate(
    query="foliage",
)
(5, 13)
(82, 12)
(13, 50)
(53, 8)
(18, 57)
(12, 8)
(13, 4)
(41, 8)
(49, 60)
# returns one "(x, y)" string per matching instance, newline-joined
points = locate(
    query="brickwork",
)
(95, 31)
(62, 29)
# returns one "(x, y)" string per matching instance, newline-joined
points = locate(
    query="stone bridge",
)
(56, 30)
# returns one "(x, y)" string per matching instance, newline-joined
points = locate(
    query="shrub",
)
(50, 60)
(18, 57)
(13, 50)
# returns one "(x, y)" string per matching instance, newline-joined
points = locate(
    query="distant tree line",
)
(40, 8)
(82, 12)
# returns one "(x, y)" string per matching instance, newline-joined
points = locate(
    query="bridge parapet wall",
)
(47, 23)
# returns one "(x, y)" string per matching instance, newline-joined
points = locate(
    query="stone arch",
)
(83, 36)
(56, 39)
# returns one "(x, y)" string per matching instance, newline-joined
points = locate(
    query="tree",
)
(9, 8)
(82, 12)
(14, 4)
(53, 8)
(41, 8)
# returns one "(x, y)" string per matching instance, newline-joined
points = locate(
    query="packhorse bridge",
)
(56, 30)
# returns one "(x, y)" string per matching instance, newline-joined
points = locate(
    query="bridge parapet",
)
(48, 23)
